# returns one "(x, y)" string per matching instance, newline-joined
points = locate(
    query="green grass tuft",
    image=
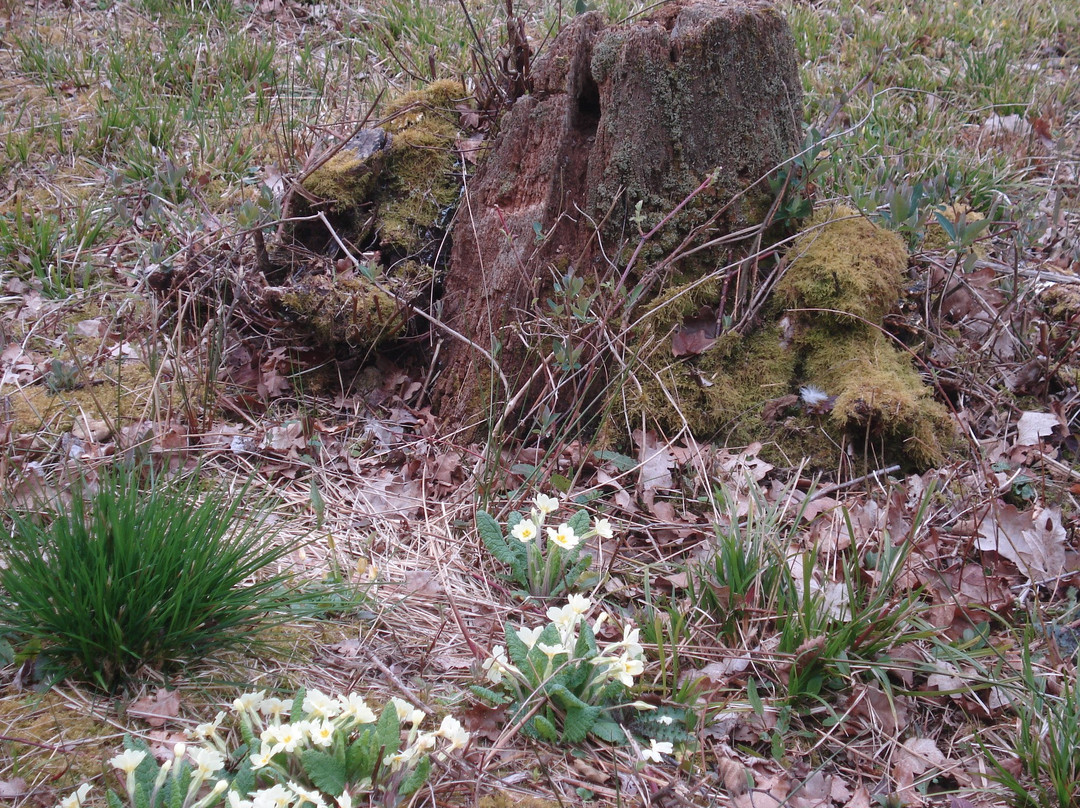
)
(129, 575)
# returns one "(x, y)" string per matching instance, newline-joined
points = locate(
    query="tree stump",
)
(621, 125)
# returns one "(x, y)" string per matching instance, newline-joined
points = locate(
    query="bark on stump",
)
(616, 115)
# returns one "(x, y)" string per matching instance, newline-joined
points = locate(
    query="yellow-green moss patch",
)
(344, 181)
(350, 311)
(112, 394)
(823, 330)
(844, 266)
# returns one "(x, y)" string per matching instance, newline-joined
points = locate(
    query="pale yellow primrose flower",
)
(625, 669)
(551, 651)
(630, 641)
(546, 504)
(207, 761)
(128, 761)
(604, 617)
(321, 732)
(248, 702)
(304, 795)
(497, 664)
(353, 706)
(235, 801)
(564, 618)
(406, 713)
(204, 731)
(425, 742)
(403, 757)
(602, 528)
(578, 604)
(318, 705)
(276, 796)
(451, 730)
(564, 536)
(656, 749)
(524, 531)
(265, 755)
(274, 708)
(288, 736)
(75, 799)
(529, 636)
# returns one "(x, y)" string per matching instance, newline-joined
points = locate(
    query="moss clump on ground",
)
(65, 399)
(404, 190)
(396, 196)
(422, 181)
(54, 742)
(341, 310)
(504, 799)
(344, 181)
(845, 266)
(824, 331)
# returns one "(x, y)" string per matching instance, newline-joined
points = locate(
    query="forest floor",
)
(806, 638)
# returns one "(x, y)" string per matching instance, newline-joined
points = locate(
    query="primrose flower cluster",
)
(544, 559)
(564, 536)
(329, 753)
(620, 661)
(577, 682)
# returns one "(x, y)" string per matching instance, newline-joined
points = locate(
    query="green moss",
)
(421, 191)
(846, 268)
(422, 182)
(344, 181)
(36, 725)
(504, 799)
(397, 201)
(118, 394)
(1061, 303)
(879, 396)
(342, 311)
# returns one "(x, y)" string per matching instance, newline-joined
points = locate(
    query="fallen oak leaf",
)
(157, 709)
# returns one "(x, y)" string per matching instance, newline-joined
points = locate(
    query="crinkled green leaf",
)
(297, 711)
(545, 729)
(416, 778)
(580, 522)
(325, 771)
(243, 782)
(579, 722)
(566, 700)
(609, 731)
(489, 696)
(388, 731)
(361, 755)
(492, 536)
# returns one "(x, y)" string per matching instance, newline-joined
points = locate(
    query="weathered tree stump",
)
(617, 115)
